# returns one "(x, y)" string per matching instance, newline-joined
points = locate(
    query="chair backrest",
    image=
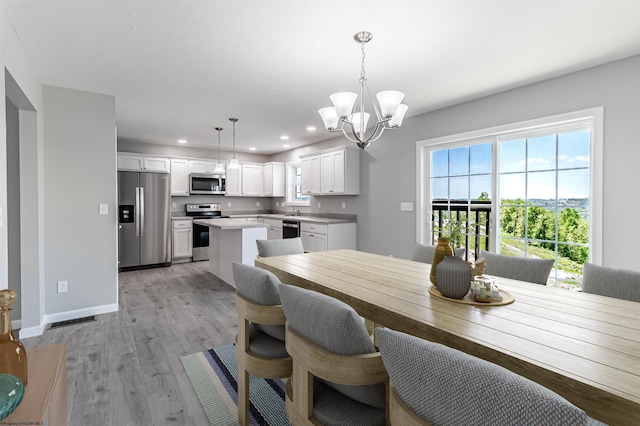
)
(446, 386)
(518, 268)
(261, 287)
(334, 327)
(424, 253)
(611, 282)
(267, 248)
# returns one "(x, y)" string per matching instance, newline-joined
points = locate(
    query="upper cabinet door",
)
(310, 174)
(130, 162)
(179, 177)
(157, 164)
(252, 180)
(233, 182)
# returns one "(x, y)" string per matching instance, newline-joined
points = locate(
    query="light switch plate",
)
(406, 206)
(103, 209)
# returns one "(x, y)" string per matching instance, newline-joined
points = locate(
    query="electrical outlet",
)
(62, 286)
(257, 203)
(406, 206)
(318, 204)
(174, 205)
(229, 204)
(103, 209)
(277, 204)
(344, 205)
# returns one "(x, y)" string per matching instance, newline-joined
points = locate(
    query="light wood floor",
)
(124, 368)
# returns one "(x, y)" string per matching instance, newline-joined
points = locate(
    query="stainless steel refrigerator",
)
(144, 217)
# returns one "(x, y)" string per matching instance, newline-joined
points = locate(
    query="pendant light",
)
(219, 169)
(233, 164)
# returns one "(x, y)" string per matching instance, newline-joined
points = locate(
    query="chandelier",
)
(219, 168)
(345, 110)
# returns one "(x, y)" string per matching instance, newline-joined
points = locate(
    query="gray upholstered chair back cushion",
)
(611, 282)
(424, 253)
(283, 247)
(262, 287)
(335, 327)
(518, 268)
(447, 387)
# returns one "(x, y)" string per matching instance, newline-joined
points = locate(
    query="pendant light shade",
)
(233, 164)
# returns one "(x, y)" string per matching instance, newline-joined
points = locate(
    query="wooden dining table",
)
(585, 347)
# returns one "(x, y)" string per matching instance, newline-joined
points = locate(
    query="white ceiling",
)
(179, 68)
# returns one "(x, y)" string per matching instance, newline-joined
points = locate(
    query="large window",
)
(528, 189)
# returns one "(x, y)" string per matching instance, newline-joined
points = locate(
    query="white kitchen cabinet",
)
(334, 171)
(179, 177)
(273, 177)
(310, 166)
(202, 166)
(331, 236)
(182, 241)
(274, 228)
(251, 180)
(141, 162)
(233, 182)
(157, 164)
(340, 172)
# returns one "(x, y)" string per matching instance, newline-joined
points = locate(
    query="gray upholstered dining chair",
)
(611, 282)
(424, 253)
(518, 268)
(338, 376)
(434, 384)
(260, 346)
(267, 248)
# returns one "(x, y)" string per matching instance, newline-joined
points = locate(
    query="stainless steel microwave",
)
(201, 183)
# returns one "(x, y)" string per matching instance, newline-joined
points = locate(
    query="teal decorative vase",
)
(11, 394)
(454, 277)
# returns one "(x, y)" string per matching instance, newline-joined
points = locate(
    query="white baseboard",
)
(64, 316)
(16, 324)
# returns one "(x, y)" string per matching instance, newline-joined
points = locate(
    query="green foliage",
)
(540, 224)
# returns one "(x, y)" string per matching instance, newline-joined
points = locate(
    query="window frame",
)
(290, 192)
(593, 116)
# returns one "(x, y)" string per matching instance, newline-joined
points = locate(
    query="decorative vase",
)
(454, 277)
(11, 394)
(13, 357)
(443, 249)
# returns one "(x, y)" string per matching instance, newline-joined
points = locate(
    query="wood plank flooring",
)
(124, 368)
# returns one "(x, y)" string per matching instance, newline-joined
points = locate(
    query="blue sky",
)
(471, 168)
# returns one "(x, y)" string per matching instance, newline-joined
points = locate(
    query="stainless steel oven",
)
(290, 228)
(201, 232)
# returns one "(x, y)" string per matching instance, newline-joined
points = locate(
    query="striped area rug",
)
(213, 375)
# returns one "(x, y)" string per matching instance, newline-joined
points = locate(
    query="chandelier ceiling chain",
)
(389, 114)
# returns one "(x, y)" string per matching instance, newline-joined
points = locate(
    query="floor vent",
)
(73, 321)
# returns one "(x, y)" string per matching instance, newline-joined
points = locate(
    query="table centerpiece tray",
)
(468, 299)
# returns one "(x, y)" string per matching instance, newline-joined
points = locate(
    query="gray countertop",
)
(303, 218)
(225, 224)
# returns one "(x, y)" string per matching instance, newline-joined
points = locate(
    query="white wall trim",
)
(64, 316)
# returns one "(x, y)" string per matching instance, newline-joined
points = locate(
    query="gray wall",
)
(13, 205)
(388, 167)
(80, 164)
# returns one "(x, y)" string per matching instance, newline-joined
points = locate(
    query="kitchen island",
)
(232, 240)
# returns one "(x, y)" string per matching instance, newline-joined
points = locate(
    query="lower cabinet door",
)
(182, 243)
(313, 242)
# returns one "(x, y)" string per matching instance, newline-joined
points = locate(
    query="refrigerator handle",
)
(137, 212)
(142, 211)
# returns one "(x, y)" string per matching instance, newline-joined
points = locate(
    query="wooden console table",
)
(45, 399)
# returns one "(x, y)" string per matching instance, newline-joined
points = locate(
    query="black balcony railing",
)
(474, 218)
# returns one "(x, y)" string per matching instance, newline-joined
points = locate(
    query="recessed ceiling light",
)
(182, 141)
(285, 146)
(284, 138)
(311, 128)
(252, 149)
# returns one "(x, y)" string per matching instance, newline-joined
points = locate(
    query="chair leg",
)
(243, 396)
